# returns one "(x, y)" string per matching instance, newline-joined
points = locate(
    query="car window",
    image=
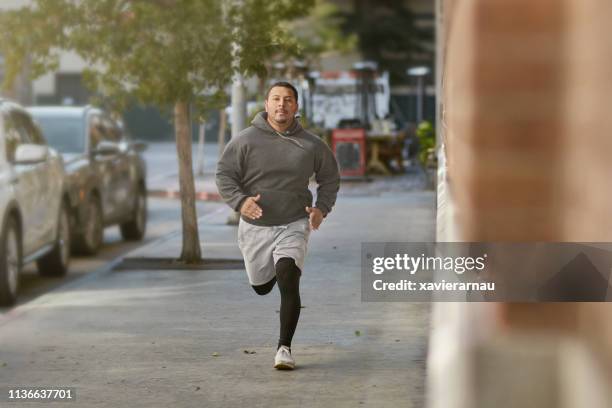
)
(97, 130)
(114, 132)
(123, 132)
(15, 135)
(20, 124)
(63, 133)
(32, 131)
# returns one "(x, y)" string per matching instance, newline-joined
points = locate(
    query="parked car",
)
(106, 173)
(34, 207)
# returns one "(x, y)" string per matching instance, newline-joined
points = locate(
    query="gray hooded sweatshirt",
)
(277, 166)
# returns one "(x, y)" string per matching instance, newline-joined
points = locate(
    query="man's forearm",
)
(230, 191)
(326, 197)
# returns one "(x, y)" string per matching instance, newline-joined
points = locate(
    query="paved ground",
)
(144, 338)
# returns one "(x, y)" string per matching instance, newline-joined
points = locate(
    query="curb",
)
(165, 264)
(171, 193)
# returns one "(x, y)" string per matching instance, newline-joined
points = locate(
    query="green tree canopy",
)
(157, 51)
(160, 52)
(321, 31)
(387, 34)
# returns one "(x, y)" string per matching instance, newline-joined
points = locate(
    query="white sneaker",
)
(283, 359)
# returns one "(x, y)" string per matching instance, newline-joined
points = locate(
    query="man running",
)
(264, 174)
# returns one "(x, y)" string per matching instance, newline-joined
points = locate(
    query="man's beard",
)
(283, 119)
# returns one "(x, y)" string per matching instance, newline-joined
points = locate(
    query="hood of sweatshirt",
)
(260, 121)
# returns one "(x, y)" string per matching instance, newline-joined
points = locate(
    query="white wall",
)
(13, 4)
(70, 62)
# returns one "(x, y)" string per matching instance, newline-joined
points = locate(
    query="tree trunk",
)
(191, 252)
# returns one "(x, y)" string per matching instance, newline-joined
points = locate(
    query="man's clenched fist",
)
(316, 217)
(250, 209)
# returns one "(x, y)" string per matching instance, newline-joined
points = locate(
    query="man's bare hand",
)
(250, 209)
(316, 217)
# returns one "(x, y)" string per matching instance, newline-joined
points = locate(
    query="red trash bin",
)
(349, 148)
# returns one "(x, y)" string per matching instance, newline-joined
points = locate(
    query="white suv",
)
(33, 205)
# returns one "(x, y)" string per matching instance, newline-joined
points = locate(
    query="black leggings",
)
(288, 278)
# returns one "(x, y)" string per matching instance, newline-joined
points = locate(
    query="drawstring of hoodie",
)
(261, 122)
(288, 138)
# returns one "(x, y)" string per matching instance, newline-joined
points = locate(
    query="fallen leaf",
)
(357, 333)
(215, 354)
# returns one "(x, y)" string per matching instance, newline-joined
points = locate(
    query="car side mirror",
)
(31, 154)
(106, 148)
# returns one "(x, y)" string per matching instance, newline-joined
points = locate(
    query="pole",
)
(222, 129)
(201, 147)
(239, 111)
(238, 101)
(238, 105)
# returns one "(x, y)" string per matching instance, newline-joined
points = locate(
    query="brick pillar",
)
(526, 91)
(588, 158)
(588, 122)
(528, 137)
(505, 111)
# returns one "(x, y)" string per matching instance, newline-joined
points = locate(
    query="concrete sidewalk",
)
(159, 338)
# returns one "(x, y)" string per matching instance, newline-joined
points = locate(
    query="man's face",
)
(281, 105)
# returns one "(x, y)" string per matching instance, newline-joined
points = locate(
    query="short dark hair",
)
(283, 84)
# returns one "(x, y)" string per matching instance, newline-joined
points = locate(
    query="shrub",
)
(426, 136)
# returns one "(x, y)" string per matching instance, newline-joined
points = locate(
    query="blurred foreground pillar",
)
(526, 156)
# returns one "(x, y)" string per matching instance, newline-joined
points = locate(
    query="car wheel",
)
(55, 263)
(10, 263)
(135, 228)
(90, 240)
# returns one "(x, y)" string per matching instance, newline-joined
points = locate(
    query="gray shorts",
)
(262, 247)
